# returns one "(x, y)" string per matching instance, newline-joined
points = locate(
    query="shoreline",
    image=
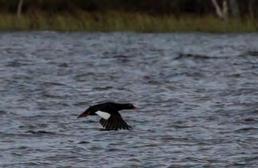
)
(124, 22)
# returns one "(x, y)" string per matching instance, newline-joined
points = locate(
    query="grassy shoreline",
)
(118, 21)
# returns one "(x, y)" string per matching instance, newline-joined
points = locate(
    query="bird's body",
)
(110, 117)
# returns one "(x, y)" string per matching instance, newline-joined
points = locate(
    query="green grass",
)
(121, 21)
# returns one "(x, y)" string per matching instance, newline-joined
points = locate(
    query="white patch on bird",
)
(103, 114)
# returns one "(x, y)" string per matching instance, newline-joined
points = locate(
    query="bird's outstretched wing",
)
(115, 122)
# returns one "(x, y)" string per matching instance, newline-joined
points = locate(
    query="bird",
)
(110, 117)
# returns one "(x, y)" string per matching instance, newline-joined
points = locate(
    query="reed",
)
(122, 21)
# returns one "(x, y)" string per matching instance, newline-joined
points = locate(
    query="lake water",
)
(197, 98)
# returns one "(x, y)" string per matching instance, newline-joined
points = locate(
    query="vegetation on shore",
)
(133, 15)
(123, 21)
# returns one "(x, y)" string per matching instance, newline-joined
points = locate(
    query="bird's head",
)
(128, 106)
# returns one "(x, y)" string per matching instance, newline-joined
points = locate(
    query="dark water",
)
(197, 96)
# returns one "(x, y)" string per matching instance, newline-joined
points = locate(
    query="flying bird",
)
(110, 117)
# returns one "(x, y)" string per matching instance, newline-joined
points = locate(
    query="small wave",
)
(249, 119)
(103, 88)
(195, 56)
(83, 142)
(2, 112)
(64, 65)
(48, 84)
(115, 150)
(40, 132)
(17, 63)
(251, 53)
(246, 129)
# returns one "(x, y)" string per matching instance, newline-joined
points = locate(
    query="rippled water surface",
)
(197, 96)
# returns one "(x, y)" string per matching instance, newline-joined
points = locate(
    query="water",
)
(197, 96)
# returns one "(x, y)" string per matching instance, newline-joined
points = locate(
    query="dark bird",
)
(110, 117)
